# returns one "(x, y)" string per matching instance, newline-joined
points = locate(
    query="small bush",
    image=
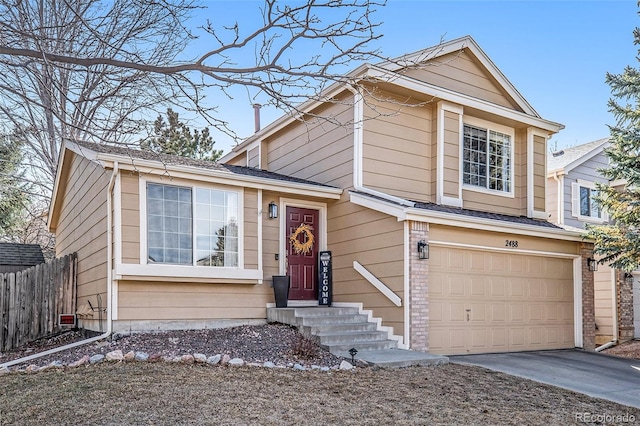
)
(304, 348)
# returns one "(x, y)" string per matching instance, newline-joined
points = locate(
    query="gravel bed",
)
(278, 343)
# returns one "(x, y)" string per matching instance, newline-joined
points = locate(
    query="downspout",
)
(560, 198)
(109, 287)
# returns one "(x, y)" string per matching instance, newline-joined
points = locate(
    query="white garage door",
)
(497, 302)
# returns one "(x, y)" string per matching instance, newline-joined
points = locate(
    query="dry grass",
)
(168, 394)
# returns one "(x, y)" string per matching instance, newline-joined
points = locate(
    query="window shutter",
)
(575, 199)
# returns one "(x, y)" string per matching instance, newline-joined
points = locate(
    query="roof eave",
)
(285, 120)
(462, 221)
(459, 44)
(224, 176)
(462, 99)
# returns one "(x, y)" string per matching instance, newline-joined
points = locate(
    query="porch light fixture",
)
(273, 210)
(423, 250)
(593, 264)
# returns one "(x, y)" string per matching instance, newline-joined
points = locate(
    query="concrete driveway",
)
(590, 373)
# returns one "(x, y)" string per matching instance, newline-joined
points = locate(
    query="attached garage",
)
(492, 301)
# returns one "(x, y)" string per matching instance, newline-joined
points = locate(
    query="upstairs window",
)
(486, 159)
(176, 214)
(584, 205)
(588, 205)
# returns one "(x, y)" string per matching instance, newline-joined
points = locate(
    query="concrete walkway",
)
(590, 373)
(396, 358)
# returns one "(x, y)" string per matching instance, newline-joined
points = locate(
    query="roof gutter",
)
(109, 287)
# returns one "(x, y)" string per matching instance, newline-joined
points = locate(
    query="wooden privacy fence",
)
(31, 300)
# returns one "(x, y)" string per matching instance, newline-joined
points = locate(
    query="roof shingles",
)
(167, 159)
(20, 254)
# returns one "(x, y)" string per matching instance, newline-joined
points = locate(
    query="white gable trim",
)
(460, 98)
(456, 45)
(588, 156)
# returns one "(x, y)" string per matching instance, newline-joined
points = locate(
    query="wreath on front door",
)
(302, 247)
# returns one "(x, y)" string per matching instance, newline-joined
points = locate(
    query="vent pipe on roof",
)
(256, 116)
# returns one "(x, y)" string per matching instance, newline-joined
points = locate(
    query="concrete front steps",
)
(336, 329)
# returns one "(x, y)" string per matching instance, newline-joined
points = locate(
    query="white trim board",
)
(379, 285)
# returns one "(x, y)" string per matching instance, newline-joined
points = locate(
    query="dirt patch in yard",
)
(168, 394)
(277, 343)
(630, 349)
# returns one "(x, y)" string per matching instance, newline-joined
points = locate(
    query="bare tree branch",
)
(102, 70)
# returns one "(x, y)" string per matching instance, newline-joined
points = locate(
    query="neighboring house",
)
(572, 175)
(430, 196)
(16, 257)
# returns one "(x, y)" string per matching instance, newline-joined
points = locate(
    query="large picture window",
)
(176, 214)
(486, 159)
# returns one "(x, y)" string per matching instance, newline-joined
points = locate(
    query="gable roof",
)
(457, 45)
(16, 254)
(388, 72)
(165, 160)
(567, 159)
(175, 165)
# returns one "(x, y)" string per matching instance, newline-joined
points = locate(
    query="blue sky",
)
(556, 53)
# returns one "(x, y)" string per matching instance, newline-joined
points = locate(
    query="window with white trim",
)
(486, 158)
(584, 205)
(176, 214)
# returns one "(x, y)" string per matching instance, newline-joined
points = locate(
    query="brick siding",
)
(419, 288)
(588, 303)
(624, 283)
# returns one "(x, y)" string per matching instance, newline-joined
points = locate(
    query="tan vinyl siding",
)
(270, 238)
(251, 228)
(397, 148)
(82, 226)
(191, 301)
(317, 149)
(254, 157)
(452, 139)
(376, 241)
(238, 160)
(603, 303)
(460, 72)
(539, 172)
(130, 232)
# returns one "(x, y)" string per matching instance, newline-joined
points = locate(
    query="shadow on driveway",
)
(594, 374)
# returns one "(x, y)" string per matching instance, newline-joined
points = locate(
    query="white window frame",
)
(575, 203)
(187, 271)
(489, 126)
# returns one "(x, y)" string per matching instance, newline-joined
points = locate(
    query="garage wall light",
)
(423, 250)
(273, 210)
(593, 264)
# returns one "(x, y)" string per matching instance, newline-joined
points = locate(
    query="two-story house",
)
(572, 175)
(425, 180)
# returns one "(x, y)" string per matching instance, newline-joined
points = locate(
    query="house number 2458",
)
(511, 243)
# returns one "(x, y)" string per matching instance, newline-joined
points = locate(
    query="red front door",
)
(302, 252)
